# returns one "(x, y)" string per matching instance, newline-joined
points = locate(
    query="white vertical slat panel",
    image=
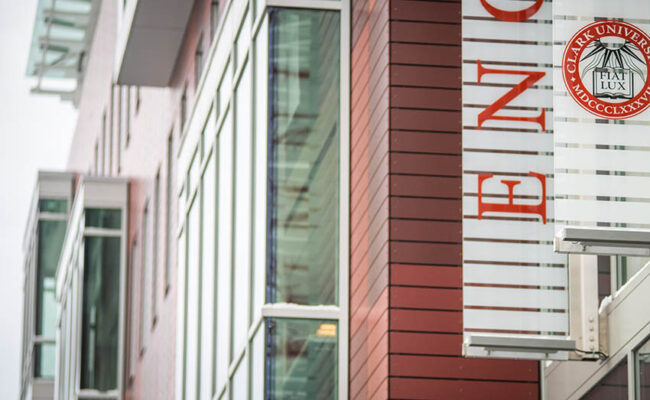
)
(509, 248)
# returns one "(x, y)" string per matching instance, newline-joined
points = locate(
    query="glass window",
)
(301, 359)
(133, 345)
(53, 205)
(169, 225)
(214, 17)
(627, 267)
(612, 387)
(643, 371)
(183, 108)
(192, 301)
(260, 157)
(100, 317)
(224, 251)
(103, 218)
(207, 280)
(242, 223)
(50, 241)
(198, 61)
(304, 157)
(242, 41)
(154, 248)
(257, 366)
(225, 88)
(145, 270)
(238, 384)
(44, 359)
(127, 113)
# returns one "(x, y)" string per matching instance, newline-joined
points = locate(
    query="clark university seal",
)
(605, 69)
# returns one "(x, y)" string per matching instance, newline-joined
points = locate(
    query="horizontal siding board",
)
(424, 32)
(425, 231)
(426, 142)
(459, 368)
(425, 253)
(422, 76)
(426, 343)
(425, 164)
(406, 10)
(426, 186)
(427, 389)
(426, 120)
(426, 275)
(423, 54)
(426, 321)
(423, 208)
(425, 98)
(427, 298)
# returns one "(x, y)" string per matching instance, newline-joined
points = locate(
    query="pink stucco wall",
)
(141, 158)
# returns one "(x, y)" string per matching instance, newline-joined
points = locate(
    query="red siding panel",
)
(425, 314)
(459, 368)
(425, 343)
(427, 389)
(426, 321)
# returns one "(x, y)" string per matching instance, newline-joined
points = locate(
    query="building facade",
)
(307, 199)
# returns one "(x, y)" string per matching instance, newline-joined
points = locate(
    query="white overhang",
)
(150, 34)
(603, 241)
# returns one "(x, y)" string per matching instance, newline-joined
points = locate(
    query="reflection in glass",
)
(50, 240)
(627, 267)
(44, 360)
(59, 206)
(304, 156)
(103, 218)
(612, 387)
(302, 360)
(643, 370)
(99, 330)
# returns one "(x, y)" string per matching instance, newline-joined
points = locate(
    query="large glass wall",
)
(260, 210)
(304, 160)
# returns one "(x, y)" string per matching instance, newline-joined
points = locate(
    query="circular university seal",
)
(605, 67)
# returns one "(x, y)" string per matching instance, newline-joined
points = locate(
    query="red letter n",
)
(531, 78)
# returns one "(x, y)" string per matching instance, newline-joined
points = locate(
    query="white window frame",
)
(218, 59)
(103, 193)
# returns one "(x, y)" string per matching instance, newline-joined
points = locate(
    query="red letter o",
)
(513, 16)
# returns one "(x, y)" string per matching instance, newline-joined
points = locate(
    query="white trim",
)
(313, 4)
(91, 231)
(286, 310)
(344, 211)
